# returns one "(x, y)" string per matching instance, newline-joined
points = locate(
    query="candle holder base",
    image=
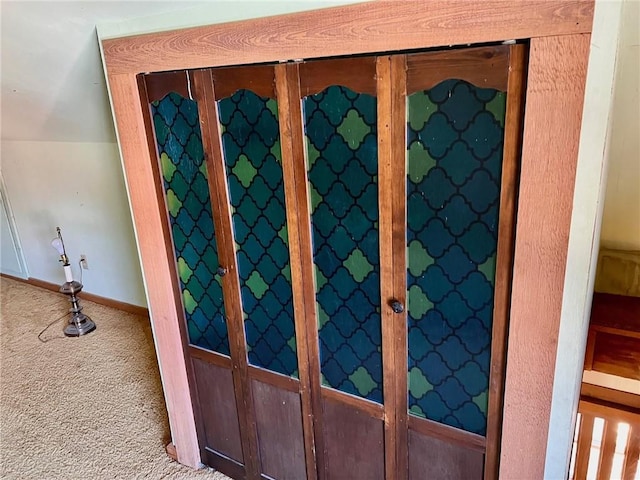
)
(79, 323)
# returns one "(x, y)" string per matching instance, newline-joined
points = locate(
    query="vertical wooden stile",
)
(168, 254)
(632, 453)
(168, 244)
(385, 182)
(607, 449)
(294, 165)
(556, 72)
(399, 205)
(391, 92)
(212, 144)
(584, 446)
(505, 252)
(291, 144)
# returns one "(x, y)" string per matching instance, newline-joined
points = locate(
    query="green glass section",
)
(454, 155)
(342, 159)
(183, 170)
(256, 188)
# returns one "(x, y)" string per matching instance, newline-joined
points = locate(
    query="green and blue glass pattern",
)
(252, 155)
(342, 156)
(184, 174)
(454, 159)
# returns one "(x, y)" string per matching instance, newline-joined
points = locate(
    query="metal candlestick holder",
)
(79, 323)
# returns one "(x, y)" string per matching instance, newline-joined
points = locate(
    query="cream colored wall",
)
(621, 220)
(79, 187)
(211, 12)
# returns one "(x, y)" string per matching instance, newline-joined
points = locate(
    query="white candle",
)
(67, 273)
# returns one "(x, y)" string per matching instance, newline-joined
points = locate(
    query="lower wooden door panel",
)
(219, 412)
(430, 457)
(279, 427)
(353, 442)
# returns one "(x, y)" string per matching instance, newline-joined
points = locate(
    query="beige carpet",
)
(80, 408)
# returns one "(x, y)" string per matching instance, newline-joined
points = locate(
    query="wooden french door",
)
(342, 231)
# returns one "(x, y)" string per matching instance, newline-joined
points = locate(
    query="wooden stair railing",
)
(607, 441)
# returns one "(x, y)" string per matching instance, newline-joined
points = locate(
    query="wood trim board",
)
(291, 134)
(559, 54)
(90, 297)
(367, 27)
(554, 98)
(515, 88)
(161, 292)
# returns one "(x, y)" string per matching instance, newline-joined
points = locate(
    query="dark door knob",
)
(396, 306)
(221, 271)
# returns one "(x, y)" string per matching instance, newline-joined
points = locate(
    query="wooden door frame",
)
(559, 33)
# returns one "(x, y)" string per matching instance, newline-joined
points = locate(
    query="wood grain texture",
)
(613, 414)
(597, 392)
(209, 356)
(359, 74)
(583, 448)
(164, 306)
(158, 85)
(216, 176)
(91, 297)
(360, 404)
(516, 80)
(609, 411)
(171, 451)
(619, 312)
(484, 67)
(385, 215)
(632, 453)
(554, 100)
(280, 436)
(391, 93)
(354, 443)
(354, 29)
(429, 428)
(588, 353)
(214, 387)
(258, 79)
(607, 449)
(303, 288)
(283, 382)
(617, 355)
(430, 457)
(224, 464)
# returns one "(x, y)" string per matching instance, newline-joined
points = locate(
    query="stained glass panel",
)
(455, 139)
(254, 171)
(342, 156)
(179, 141)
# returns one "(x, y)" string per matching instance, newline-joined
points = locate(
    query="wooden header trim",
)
(484, 67)
(259, 79)
(354, 29)
(160, 85)
(358, 74)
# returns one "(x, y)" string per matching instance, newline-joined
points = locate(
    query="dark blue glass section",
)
(342, 155)
(455, 139)
(254, 171)
(179, 142)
